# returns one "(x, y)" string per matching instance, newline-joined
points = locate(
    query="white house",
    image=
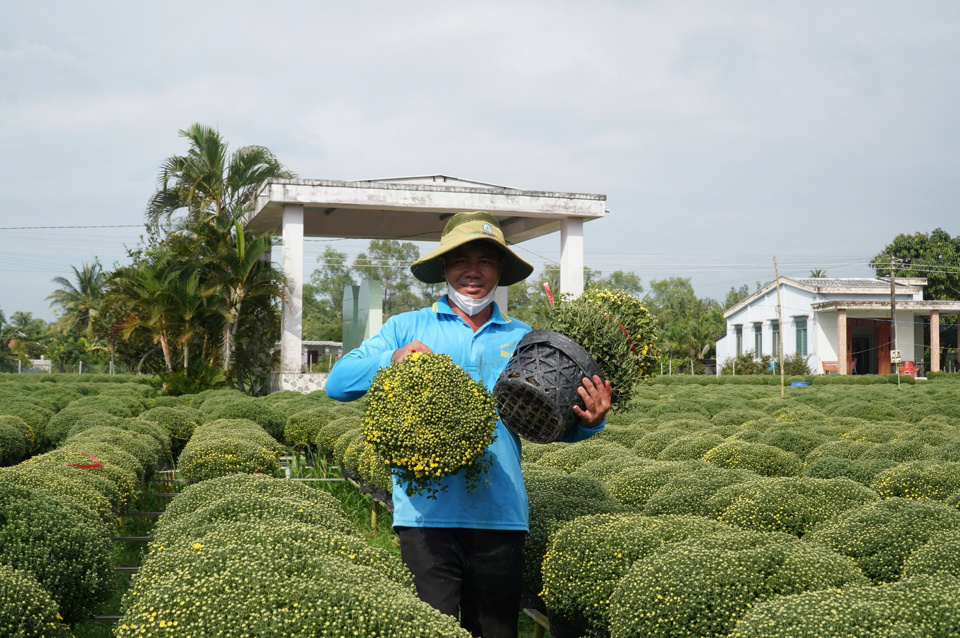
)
(841, 325)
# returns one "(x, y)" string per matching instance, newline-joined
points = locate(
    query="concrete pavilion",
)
(413, 209)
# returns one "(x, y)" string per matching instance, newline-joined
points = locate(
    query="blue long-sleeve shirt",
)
(500, 502)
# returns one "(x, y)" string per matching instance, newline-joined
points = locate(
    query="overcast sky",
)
(722, 133)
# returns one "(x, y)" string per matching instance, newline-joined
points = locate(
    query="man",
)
(465, 549)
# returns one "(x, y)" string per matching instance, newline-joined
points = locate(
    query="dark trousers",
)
(475, 574)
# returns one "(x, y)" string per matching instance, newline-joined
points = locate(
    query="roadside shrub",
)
(26, 609)
(861, 471)
(262, 414)
(570, 458)
(554, 497)
(328, 434)
(881, 536)
(922, 606)
(919, 480)
(703, 586)
(791, 505)
(67, 550)
(690, 446)
(688, 493)
(764, 460)
(589, 555)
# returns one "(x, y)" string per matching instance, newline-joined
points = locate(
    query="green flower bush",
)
(571, 457)
(145, 448)
(179, 423)
(29, 438)
(634, 486)
(554, 497)
(107, 465)
(35, 416)
(737, 416)
(940, 554)
(765, 460)
(690, 446)
(861, 471)
(703, 586)
(267, 417)
(59, 424)
(64, 546)
(228, 446)
(869, 410)
(653, 443)
(13, 445)
(26, 609)
(302, 427)
(799, 441)
(328, 434)
(59, 397)
(428, 419)
(618, 332)
(918, 480)
(69, 484)
(272, 591)
(881, 536)
(122, 406)
(605, 467)
(588, 556)
(925, 606)
(689, 492)
(791, 505)
(797, 413)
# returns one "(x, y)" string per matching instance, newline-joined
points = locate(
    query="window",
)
(801, 324)
(758, 340)
(738, 330)
(775, 328)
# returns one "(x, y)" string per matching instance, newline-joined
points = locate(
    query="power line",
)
(60, 227)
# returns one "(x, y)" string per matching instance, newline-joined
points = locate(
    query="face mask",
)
(470, 305)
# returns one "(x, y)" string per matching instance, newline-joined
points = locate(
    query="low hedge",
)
(571, 457)
(122, 405)
(765, 460)
(263, 414)
(227, 446)
(703, 586)
(689, 492)
(64, 546)
(923, 606)
(791, 505)
(919, 480)
(881, 536)
(142, 446)
(634, 486)
(179, 423)
(13, 443)
(588, 556)
(26, 609)
(863, 471)
(690, 446)
(328, 434)
(70, 484)
(940, 554)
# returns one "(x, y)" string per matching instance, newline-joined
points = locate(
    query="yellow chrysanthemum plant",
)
(616, 329)
(428, 419)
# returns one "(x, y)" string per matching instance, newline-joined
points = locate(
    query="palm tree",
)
(79, 303)
(241, 272)
(818, 273)
(208, 180)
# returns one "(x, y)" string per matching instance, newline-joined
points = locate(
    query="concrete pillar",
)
(291, 338)
(842, 341)
(934, 341)
(571, 256)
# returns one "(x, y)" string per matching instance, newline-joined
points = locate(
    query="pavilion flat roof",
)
(415, 208)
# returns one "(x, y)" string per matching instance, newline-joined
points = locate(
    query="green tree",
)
(78, 302)
(209, 180)
(388, 261)
(323, 297)
(735, 296)
(934, 255)
(818, 273)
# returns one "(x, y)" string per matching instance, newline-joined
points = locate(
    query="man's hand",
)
(414, 346)
(596, 399)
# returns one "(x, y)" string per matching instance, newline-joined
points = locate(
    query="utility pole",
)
(893, 321)
(776, 272)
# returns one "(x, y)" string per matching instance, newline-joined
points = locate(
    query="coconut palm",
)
(79, 301)
(208, 180)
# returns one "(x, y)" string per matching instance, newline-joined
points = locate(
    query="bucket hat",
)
(464, 228)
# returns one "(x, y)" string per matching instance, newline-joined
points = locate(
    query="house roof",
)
(836, 286)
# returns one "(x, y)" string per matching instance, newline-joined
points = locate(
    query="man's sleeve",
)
(351, 376)
(580, 433)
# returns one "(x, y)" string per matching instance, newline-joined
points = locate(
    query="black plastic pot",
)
(536, 393)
